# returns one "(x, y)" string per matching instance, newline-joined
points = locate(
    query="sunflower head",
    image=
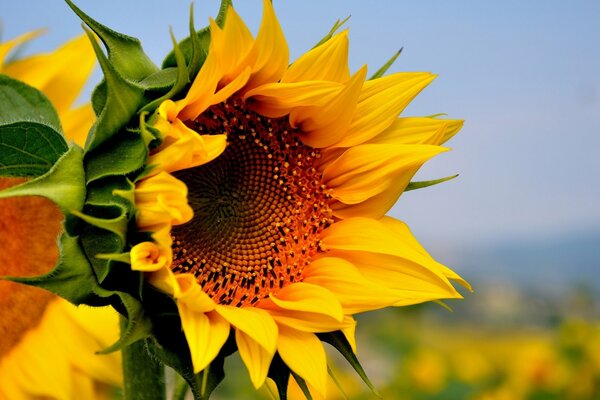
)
(234, 201)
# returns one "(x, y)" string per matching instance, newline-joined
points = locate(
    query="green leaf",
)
(336, 26)
(72, 278)
(20, 102)
(379, 73)
(29, 148)
(124, 52)
(123, 100)
(341, 344)
(199, 44)
(424, 184)
(64, 184)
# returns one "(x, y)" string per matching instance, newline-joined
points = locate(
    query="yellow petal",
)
(327, 62)
(307, 297)
(9, 45)
(272, 53)
(401, 229)
(323, 126)
(353, 290)
(374, 207)
(182, 147)
(303, 353)
(192, 296)
(77, 122)
(161, 199)
(255, 357)
(380, 103)
(388, 257)
(366, 170)
(54, 74)
(205, 333)
(308, 321)
(231, 45)
(278, 99)
(254, 322)
(146, 257)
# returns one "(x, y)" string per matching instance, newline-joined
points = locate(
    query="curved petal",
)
(307, 297)
(309, 321)
(367, 170)
(254, 322)
(256, 358)
(303, 353)
(367, 243)
(353, 290)
(327, 62)
(401, 229)
(275, 100)
(323, 126)
(380, 103)
(206, 333)
(419, 130)
(272, 53)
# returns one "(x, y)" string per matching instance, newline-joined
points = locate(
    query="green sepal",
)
(29, 148)
(199, 44)
(116, 225)
(96, 241)
(23, 103)
(181, 81)
(123, 100)
(424, 184)
(137, 325)
(302, 384)
(124, 52)
(336, 26)
(64, 184)
(279, 372)
(72, 278)
(379, 73)
(117, 157)
(113, 190)
(338, 340)
(162, 80)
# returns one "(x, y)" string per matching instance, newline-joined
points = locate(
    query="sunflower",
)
(35, 361)
(266, 199)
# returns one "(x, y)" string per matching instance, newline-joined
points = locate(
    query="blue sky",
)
(524, 76)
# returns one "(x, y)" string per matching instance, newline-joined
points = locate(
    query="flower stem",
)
(143, 375)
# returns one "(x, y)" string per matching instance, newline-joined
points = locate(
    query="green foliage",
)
(23, 103)
(31, 141)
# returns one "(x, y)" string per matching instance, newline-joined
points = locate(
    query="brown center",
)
(259, 208)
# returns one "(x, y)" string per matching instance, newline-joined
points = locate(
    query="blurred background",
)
(521, 222)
